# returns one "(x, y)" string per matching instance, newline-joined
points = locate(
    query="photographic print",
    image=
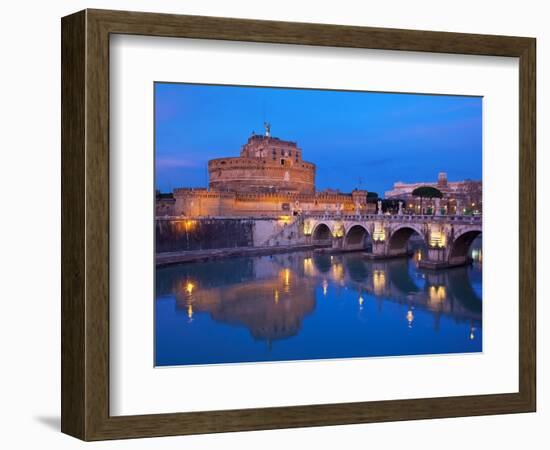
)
(304, 224)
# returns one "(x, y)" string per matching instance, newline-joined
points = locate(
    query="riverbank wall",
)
(174, 234)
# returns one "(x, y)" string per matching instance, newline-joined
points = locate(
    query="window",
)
(282, 162)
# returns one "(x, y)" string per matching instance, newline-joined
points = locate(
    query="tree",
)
(426, 192)
(391, 204)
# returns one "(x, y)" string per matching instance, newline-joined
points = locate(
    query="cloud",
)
(174, 163)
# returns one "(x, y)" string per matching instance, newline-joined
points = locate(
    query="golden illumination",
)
(338, 231)
(308, 266)
(308, 228)
(276, 296)
(285, 275)
(379, 234)
(189, 287)
(325, 287)
(410, 318)
(360, 302)
(338, 271)
(437, 236)
(438, 294)
(189, 224)
(379, 281)
(285, 220)
(190, 311)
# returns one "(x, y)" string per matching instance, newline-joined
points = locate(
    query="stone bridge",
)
(447, 237)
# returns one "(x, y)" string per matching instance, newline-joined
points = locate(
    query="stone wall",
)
(173, 235)
(261, 174)
(203, 202)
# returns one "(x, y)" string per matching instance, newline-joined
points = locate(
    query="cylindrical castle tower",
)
(266, 164)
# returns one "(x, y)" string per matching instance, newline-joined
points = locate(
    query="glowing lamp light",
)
(189, 287)
(379, 234)
(410, 318)
(338, 231)
(189, 224)
(438, 294)
(379, 281)
(287, 277)
(308, 266)
(284, 220)
(338, 271)
(438, 238)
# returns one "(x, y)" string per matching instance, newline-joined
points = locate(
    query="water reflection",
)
(310, 306)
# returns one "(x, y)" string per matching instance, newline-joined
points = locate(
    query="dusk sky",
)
(360, 140)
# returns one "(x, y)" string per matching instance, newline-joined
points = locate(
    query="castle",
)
(268, 179)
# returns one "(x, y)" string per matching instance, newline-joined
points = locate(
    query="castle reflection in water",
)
(305, 305)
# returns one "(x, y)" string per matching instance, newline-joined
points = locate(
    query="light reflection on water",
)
(304, 305)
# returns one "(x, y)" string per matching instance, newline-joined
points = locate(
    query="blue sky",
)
(364, 140)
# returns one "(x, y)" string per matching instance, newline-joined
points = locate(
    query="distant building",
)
(464, 196)
(268, 179)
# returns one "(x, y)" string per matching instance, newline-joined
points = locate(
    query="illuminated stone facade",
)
(203, 202)
(266, 164)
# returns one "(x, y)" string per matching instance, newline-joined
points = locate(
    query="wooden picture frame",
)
(85, 224)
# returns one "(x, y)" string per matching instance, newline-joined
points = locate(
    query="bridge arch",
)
(460, 248)
(322, 234)
(399, 238)
(356, 237)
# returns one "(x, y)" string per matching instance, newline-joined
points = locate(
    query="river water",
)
(302, 305)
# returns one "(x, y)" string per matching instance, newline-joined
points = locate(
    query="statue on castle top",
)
(379, 202)
(400, 208)
(267, 127)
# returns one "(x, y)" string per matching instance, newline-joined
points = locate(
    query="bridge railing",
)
(398, 218)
